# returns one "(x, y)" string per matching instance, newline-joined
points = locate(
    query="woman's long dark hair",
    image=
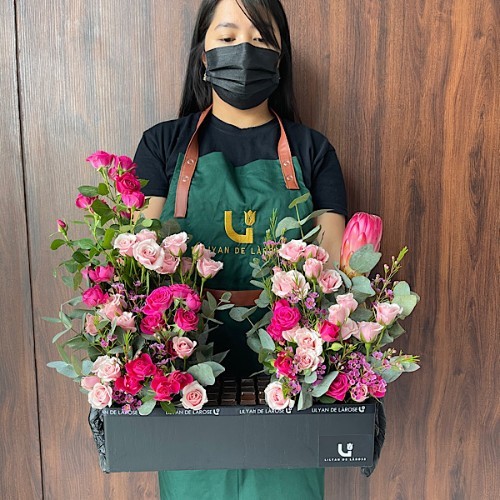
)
(197, 94)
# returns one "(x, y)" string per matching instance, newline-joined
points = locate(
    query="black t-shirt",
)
(159, 148)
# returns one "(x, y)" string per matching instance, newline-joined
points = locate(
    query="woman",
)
(233, 155)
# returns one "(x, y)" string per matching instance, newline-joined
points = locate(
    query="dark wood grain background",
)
(408, 94)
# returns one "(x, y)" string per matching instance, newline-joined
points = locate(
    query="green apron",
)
(229, 209)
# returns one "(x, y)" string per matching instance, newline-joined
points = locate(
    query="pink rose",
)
(84, 202)
(386, 312)
(126, 321)
(175, 244)
(100, 159)
(127, 183)
(329, 331)
(359, 392)
(186, 320)
(300, 287)
(183, 346)
(193, 302)
(164, 387)
(309, 339)
(179, 291)
(289, 335)
(101, 274)
(349, 328)
(378, 388)
(100, 396)
(368, 331)
(275, 398)
(194, 396)
(284, 365)
(146, 234)
(94, 296)
(186, 263)
(170, 264)
(109, 369)
(339, 387)
(347, 300)
(313, 268)
(149, 254)
(292, 250)
(125, 163)
(329, 281)
(159, 300)
(100, 360)
(199, 251)
(113, 307)
(282, 284)
(90, 327)
(152, 323)
(316, 252)
(125, 244)
(62, 227)
(133, 200)
(183, 378)
(306, 358)
(337, 314)
(89, 382)
(128, 384)
(286, 317)
(208, 268)
(141, 367)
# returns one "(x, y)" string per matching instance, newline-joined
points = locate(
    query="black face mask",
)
(243, 75)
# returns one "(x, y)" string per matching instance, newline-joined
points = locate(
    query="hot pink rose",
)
(194, 396)
(347, 300)
(126, 163)
(141, 367)
(94, 296)
(100, 396)
(186, 320)
(193, 302)
(170, 264)
(133, 200)
(183, 378)
(175, 244)
(149, 254)
(89, 382)
(292, 250)
(368, 331)
(275, 331)
(128, 384)
(313, 268)
(339, 387)
(101, 274)
(84, 202)
(90, 327)
(349, 328)
(100, 159)
(164, 387)
(378, 388)
(329, 331)
(109, 370)
(329, 281)
(127, 183)
(286, 317)
(386, 312)
(152, 323)
(179, 291)
(183, 346)
(146, 234)
(159, 300)
(208, 268)
(126, 321)
(275, 398)
(306, 358)
(309, 339)
(125, 244)
(337, 314)
(284, 365)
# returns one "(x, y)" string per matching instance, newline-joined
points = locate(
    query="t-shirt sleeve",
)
(151, 165)
(328, 188)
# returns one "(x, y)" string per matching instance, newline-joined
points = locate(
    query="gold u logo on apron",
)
(231, 233)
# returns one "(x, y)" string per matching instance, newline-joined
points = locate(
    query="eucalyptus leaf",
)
(311, 378)
(63, 368)
(212, 302)
(203, 373)
(363, 285)
(299, 199)
(266, 340)
(249, 312)
(361, 314)
(86, 367)
(364, 259)
(311, 235)
(217, 368)
(305, 399)
(237, 313)
(226, 297)
(147, 407)
(401, 288)
(286, 224)
(324, 385)
(51, 320)
(347, 281)
(59, 335)
(407, 302)
(220, 356)
(258, 284)
(223, 307)
(396, 330)
(316, 213)
(254, 343)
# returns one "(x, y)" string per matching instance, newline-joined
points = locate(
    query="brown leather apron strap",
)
(191, 159)
(238, 297)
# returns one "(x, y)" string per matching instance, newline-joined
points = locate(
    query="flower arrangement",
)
(142, 316)
(327, 323)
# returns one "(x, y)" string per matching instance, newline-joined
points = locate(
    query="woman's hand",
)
(330, 237)
(154, 209)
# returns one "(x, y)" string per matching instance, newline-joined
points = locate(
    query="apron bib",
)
(228, 209)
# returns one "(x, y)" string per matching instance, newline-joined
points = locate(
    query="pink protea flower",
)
(362, 229)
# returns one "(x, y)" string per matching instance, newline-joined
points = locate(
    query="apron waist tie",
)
(238, 297)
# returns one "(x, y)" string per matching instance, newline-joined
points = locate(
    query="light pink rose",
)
(386, 312)
(149, 254)
(313, 268)
(175, 243)
(90, 327)
(186, 263)
(349, 328)
(125, 244)
(112, 308)
(307, 359)
(100, 360)
(368, 331)
(208, 268)
(108, 370)
(100, 396)
(347, 300)
(292, 250)
(316, 252)
(309, 339)
(126, 321)
(170, 264)
(282, 284)
(329, 281)
(275, 398)
(289, 335)
(183, 346)
(194, 396)
(322, 255)
(101, 274)
(337, 314)
(146, 234)
(300, 287)
(89, 382)
(199, 251)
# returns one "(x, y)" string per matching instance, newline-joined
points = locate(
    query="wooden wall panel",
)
(20, 471)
